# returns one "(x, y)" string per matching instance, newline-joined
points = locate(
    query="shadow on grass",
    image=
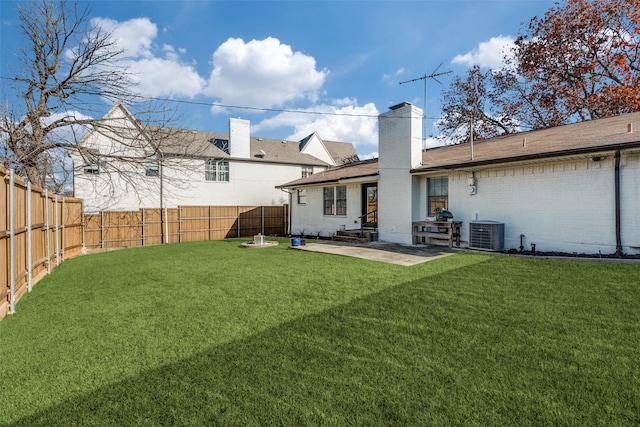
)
(403, 356)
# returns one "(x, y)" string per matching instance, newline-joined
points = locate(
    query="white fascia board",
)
(371, 178)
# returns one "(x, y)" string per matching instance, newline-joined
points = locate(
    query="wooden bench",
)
(437, 232)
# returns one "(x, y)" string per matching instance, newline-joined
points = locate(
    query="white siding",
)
(249, 184)
(314, 147)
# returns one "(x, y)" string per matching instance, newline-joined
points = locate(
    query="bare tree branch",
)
(68, 73)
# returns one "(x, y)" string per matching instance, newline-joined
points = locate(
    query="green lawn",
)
(209, 333)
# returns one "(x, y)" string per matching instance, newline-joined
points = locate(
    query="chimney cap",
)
(398, 106)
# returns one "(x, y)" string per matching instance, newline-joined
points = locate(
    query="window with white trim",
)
(306, 171)
(216, 170)
(334, 200)
(341, 200)
(302, 196)
(437, 194)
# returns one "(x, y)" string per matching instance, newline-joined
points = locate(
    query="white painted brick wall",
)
(630, 203)
(566, 207)
(400, 150)
(309, 218)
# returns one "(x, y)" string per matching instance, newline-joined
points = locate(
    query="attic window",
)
(91, 162)
(306, 171)
(152, 167)
(222, 144)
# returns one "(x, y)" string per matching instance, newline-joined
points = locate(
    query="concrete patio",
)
(384, 252)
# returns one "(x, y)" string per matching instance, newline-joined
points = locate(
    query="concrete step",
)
(366, 235)
(350, 239)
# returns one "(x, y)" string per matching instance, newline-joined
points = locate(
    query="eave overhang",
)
(576, 153)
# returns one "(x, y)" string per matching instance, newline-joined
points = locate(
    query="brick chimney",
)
(400, 150)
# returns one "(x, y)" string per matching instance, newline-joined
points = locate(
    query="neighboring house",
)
(124, 166)
(573, 188)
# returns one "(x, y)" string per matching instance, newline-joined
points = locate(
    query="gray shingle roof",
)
(360, 169)
(573, 139)
(198, 144)
(340, 152)
(584, 139)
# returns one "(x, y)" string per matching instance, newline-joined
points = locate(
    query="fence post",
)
(142, 232)
(102, 229)
(238, 219)
(47, 237)
(262, 228)
(210, 222)
(57, 235)
(84, 242)
(179, 224)
(166, 225)
(62, 233)
(12, 244)
(29, 243)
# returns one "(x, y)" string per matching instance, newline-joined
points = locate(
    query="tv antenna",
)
(424, 78)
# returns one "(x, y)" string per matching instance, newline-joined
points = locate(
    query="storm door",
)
(370, 205)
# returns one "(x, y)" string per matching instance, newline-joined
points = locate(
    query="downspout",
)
(617, 197)
(290, 193)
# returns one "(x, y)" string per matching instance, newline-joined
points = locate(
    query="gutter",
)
(337, 180)
(555, 154)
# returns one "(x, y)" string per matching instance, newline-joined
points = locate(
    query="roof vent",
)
(630, 128)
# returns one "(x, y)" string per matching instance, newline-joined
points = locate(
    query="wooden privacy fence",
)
(116, 229)
(37, 232)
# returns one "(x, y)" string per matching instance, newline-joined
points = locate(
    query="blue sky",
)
(344, 59)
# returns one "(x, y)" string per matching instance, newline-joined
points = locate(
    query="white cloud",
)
(340, 122)
(398, 73)
(488, 53)
(155, 76)
(263, 73)
(166, 77)
(170, 53)
(135, 36)
(69, 133)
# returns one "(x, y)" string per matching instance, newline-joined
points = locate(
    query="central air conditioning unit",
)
(486, 235)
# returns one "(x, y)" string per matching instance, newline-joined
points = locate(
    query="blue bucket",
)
(295, 242)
